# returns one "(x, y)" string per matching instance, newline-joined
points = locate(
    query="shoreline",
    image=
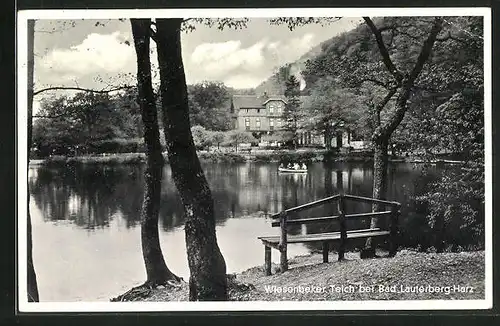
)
(260, 156)
(409, 275)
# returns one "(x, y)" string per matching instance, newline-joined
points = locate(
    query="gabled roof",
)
(275, 98)
(258, 102)
(247, 101)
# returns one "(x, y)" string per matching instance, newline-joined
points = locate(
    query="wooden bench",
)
(281, 241)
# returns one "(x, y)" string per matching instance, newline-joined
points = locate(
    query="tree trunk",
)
(206, 263)
(328, 138)
(338, 139)
(380, 162)
(328, 180)
(32, 283)
(156, 268)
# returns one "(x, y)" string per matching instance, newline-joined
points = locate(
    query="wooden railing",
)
(283, 220)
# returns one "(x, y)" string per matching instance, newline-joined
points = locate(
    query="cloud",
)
(242, 67)
(217, 59)
(245, 80)
(108, 58)
(290, 50)
(97, 53)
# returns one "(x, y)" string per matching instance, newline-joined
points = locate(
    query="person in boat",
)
(304, 167)
(289, 166)
(282, 165)
(296, 166)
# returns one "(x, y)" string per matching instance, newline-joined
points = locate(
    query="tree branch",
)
(426, 50)
(401, 103)
(383, 50)
(51, 116)
(378, 109)
(450, 37)
(152, 34)
(81, 89)
(375, 81)
(414, 37)
(386, 99)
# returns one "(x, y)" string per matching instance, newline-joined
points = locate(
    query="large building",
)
(264, 114)
(257, 113)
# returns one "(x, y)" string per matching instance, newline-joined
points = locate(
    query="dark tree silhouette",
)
(32, 283)
(156, 268)
(206, 263)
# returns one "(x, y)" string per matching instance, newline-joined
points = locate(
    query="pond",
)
(86, 219)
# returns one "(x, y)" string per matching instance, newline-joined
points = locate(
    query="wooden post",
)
(283, 242)
(394, 230)
(343, 231)
(267, 260)
(325, 251)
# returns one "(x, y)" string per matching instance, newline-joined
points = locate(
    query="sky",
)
(99, 53)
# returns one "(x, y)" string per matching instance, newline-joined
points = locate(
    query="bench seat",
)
(331, 236)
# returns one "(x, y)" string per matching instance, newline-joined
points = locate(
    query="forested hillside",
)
(349, 82)
(275, 84)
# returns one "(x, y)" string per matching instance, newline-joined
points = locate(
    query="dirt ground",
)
(408, 276)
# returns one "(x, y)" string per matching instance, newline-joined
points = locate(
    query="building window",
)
(257, 123)
(247, 110)
(258, 110)
(247, 123)
(271, 108)
(278, 122)
(279, 105)
(271, 124)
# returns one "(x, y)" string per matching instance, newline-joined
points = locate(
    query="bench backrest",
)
(340, 199)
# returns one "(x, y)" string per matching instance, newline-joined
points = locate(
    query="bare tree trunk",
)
(156, 268)
(206, 263)
(32, 283)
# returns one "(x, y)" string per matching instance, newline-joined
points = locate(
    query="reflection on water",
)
(86, 219)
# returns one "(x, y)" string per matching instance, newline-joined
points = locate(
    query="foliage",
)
(117, 145)
(112, 159)
(209, 104)
(75, 125)
(455, 126)
(202, 138)
(189, 24)
(445, 110)
(98, 122)
(277, 136)
(331, 106)
(294, 22)
(292, 114)
(218, 138)
(236, 137)
(221, 157)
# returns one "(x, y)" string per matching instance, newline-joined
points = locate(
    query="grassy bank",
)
(255, 155)
(408, 276)
(122, 158)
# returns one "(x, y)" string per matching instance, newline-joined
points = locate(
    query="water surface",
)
(86, 220)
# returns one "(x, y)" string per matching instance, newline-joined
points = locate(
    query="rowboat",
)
(285, 170)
